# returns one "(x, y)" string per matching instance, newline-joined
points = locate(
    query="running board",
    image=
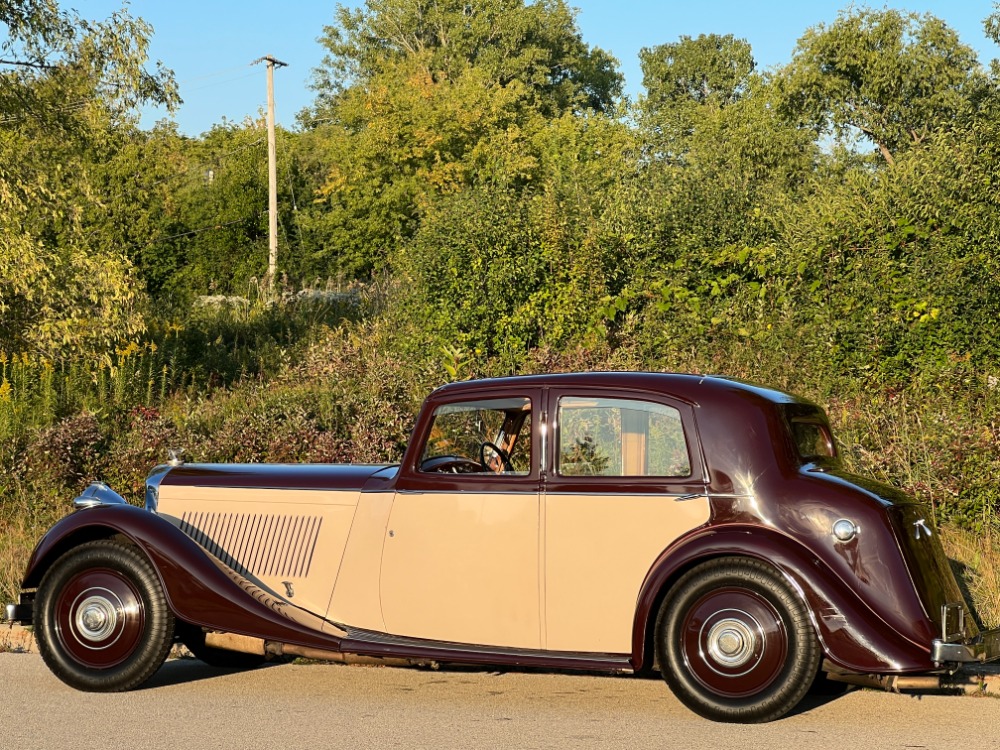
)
(373, 643)
(382, 648)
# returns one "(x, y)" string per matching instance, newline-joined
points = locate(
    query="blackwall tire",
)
(734, 642)
(103, 623)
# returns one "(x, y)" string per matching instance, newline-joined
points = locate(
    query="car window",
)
(812, 439)
(490, 436)
(612, 437)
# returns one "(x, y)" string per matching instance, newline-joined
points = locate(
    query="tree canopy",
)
(66, 84)
(891, 76)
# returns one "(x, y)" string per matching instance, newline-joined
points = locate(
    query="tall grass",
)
(65, 423)
(36, 392)
(977, 557)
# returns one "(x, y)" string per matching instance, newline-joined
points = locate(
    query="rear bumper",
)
(953, 648)
(20, 613)
(984, 647)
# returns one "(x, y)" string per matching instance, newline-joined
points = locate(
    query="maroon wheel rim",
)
(100, 618)
(734, 642)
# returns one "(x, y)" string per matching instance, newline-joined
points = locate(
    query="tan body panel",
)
(463, 567)
(490, 569)
(598, 550)
(285, 541)
(356, 598)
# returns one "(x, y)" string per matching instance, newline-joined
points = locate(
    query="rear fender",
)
(851, 633)
(199, 589)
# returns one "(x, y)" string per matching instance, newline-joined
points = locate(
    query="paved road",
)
(189, 706)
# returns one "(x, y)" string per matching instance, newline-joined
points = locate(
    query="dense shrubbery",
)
(492, 211)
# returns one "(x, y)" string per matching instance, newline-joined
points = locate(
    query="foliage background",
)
(472, 195)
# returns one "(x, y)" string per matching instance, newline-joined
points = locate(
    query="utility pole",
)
(272, 173)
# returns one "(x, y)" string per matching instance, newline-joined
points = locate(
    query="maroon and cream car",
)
(613, 522)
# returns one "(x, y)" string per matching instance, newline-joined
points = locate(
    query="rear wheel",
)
(103, 620)
(734, 642)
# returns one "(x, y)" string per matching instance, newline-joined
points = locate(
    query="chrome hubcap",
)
(97, 615)
(732, 642)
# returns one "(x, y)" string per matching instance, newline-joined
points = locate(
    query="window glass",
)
(489, 436)
(812, 439)
(611, 437)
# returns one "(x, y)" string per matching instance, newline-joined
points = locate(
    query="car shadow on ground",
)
(181, 671)
(188, 670)
(815, 700)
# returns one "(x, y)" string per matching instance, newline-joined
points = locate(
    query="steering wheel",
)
(504, 457)
(450, 465)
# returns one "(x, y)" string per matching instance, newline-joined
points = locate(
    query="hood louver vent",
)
(262, 545)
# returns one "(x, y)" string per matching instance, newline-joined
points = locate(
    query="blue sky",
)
(210, 44)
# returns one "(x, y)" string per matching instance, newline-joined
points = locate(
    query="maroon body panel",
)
(275, 476)
(853, 636)
(197, 589)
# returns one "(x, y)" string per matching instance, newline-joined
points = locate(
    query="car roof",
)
(692, 388)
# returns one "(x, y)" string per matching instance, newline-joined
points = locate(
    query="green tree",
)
(537, 44)
(891, 76)
(710, 69)
(423, 99)
(66, 85)
(211, 230)
(502, 271)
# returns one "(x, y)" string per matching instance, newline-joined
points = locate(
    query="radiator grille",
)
(257, 544)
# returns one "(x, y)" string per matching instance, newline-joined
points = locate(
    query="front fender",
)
(199, 589)
(852, 634)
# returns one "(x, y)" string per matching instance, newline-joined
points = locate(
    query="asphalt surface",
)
(189, 705)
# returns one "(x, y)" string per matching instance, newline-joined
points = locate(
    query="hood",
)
(274, 476)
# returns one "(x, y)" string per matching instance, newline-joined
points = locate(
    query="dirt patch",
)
(16, 639)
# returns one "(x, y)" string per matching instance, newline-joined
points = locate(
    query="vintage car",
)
(612, 522)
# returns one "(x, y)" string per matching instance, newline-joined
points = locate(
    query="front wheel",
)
(734, 642)
(103, 620)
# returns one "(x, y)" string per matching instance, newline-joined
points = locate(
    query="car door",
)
(460, 559)
(626, 480)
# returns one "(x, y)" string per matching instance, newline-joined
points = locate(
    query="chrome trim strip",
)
(470, 491)
(98, 495)
(543, 427)
(676, 496)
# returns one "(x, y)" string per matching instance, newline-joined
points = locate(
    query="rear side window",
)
(812, 439)
(612, 437)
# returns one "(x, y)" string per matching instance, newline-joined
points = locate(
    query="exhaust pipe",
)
(258, 646)
(891, 683)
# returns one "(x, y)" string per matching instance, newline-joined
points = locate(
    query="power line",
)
(200, 230)
(79, 104)
(214, 73)
(208, 163)
(219, 83)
